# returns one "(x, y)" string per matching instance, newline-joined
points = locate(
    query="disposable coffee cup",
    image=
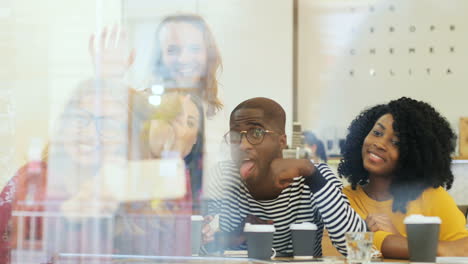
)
(196, 234)
(423, 237)
(303, 239)
(259, 241)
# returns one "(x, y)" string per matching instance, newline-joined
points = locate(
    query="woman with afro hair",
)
(397, 159)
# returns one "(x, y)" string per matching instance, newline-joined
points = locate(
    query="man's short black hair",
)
(273, 112)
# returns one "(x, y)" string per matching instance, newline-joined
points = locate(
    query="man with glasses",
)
(259, 186)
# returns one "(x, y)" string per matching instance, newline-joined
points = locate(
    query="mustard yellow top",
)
(432, 202)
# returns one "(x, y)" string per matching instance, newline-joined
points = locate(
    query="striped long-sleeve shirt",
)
(317, 199)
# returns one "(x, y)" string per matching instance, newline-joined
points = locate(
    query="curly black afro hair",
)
(425, 144)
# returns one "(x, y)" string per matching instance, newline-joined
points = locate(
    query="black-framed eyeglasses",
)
(254, 136)
(106, 127)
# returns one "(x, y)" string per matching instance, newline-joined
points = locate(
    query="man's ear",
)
(283, 141)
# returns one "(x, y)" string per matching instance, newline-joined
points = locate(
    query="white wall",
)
(330, 97)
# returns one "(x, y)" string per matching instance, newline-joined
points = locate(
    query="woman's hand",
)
(381, 222)
(167, 130)
(396, 246)
(161, 137)
(457, 248)
(110, 53)
(180, 127)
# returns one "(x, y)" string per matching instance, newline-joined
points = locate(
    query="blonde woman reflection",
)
(186, 56)
(93, 132)
(172, 129)
(92, 129)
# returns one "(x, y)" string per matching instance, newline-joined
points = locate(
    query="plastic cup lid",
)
(259, 228)
(421, 219)
(304, 226)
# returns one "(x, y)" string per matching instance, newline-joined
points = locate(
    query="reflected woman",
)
(91, 130)
(185, 59)
(186, 56)
(173, 130)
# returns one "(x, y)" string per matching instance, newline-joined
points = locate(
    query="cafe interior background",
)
(323, 60)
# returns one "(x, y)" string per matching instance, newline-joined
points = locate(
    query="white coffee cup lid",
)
(421, 219)
(196, 218)
(304, 226)
(259, 228)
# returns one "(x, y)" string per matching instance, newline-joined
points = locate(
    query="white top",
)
(421, 219)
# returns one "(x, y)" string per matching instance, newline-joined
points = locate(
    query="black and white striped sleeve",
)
(333, 206)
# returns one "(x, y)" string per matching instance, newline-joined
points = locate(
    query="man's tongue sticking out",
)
(246, 169)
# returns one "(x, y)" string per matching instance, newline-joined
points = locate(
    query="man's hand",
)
(283, 171)
(381, 222)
